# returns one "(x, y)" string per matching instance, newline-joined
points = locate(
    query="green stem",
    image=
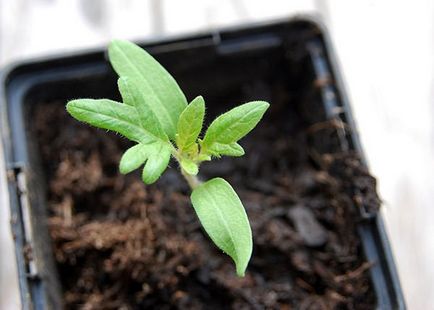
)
(192, 180)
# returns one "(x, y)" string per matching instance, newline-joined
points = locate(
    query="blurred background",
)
(385, 51)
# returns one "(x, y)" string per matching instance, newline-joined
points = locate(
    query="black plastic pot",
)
(219, 59)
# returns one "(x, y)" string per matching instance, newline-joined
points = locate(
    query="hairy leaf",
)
(233, 125)
(111, 115)
(190, 124)
(231, 149)
(126, 93)
(133, 97)
(133, 158)
(156, 164)
(159, 89)
(224, 219)
(156, 155)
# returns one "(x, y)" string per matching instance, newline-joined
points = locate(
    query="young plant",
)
(156, 116)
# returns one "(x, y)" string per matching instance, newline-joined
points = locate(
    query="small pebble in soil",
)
(309, 229)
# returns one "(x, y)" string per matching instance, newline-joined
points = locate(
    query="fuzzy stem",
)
(192, 180)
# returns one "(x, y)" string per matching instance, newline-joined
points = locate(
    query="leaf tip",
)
(71, 107)
(147, 178)
(70, 104)
(117, 45)
(123, 169)
(241, 265)
(116, 42)
(241, 272)
(122, 81)
(264, 105)
(200, 99)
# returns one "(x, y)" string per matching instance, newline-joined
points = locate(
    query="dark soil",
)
(122, 245)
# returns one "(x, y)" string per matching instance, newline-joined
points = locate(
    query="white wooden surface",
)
(385, 49)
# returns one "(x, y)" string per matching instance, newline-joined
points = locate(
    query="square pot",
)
(295, 53)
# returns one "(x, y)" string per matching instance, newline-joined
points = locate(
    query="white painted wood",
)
(9, 295)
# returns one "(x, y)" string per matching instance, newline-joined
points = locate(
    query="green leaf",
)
(158, 161)
(133, 97)
(133, 158)
(233, 125)
(190, 124)
(189, 166)
(224, 219)
(126, 93)
(156, 155)
(110, 115)
(159, 89)
(232, 149)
